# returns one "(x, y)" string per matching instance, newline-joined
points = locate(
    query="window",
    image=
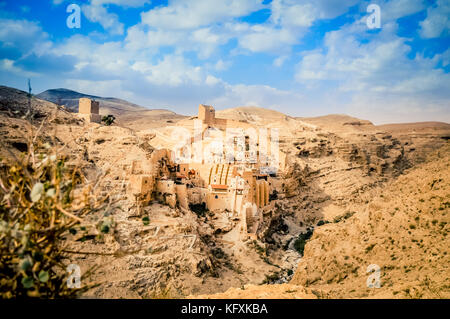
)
(216, 197)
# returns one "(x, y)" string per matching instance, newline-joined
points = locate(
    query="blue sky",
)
(301, 57)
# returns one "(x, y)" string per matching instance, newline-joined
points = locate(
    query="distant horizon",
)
(169, 108)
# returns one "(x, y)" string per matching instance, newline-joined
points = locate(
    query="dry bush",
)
(41, 200)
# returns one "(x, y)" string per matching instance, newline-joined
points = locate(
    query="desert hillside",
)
(70, 98)
(403, 227)
(127, 114)
(350, 194)
(251, 114)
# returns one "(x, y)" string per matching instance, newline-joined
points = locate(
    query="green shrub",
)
(108, 119)
(300, 242)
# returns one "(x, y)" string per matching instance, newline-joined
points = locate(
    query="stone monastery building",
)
(238, 187)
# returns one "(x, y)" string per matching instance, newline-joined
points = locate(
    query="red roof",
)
(219, 186)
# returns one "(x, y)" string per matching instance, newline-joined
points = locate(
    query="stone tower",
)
(206, 114)
(89, 110)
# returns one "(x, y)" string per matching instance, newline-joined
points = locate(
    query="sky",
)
(299, 57)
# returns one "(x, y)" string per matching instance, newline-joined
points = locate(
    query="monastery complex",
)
(240, 185)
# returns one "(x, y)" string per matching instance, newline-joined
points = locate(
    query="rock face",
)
(355, 185)
(403, 229)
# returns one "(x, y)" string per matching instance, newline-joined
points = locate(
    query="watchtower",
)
(89, 110)
(88, 106)
(206, 114)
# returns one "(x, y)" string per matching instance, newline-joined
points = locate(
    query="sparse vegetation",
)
(369, 248)
(38, 212)
(199, 209)
(300, 242)
(322, 222)
(271, 278)
(345, 216)
(108, 119)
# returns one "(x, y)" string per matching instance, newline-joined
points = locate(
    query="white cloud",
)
(446, 57)
(203, 25)
(256, 95)
(173, 81)
(212, 80)
(304, 13)
(203, 41)
(311, 67)
(222, 65)
(437, 22)
(264, 38)
(200, 26)
(180, 14)
(138, 38)
(393, 10)
(289, 13)
(7, 65)
(376, 70)
(23, 35)
(99, 13)
(172, 70)
(279, 61)
(289, 21)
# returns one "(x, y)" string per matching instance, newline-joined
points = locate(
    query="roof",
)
(219, 186)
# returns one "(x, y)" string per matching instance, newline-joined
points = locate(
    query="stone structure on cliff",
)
(237, 186)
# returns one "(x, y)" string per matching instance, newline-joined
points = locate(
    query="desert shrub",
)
(322, 222)
(145, 220)
(199, 209)
(300, 242)
(262, 251)
(345, 216)
(38, 210)
(108, 119)
(369, 248)
(271, 278)
(218, 253)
